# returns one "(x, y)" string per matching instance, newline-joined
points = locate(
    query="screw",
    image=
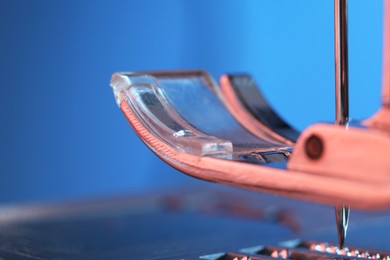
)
(314, 147)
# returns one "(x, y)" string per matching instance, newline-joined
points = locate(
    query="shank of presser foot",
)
(184, 118)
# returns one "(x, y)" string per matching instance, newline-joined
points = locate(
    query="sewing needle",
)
(342, 103)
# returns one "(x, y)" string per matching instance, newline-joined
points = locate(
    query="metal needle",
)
(341, 60)
(342, 217)
(342, 103)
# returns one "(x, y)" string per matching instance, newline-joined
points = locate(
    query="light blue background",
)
(61, 134)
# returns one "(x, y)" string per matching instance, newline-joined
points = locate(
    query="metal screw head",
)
(314, 147)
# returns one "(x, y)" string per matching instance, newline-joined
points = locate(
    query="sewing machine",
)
(226, 132)
(229, 134)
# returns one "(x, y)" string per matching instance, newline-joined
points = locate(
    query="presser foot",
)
(215, 134)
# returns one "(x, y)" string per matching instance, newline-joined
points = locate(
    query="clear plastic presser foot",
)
(182, 117)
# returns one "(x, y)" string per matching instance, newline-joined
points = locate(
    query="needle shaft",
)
(342, 99)
(341, 60)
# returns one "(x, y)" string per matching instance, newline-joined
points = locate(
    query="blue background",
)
(62, 136)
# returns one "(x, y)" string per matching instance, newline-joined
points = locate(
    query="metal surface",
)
(186, 222)
(296, 249)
